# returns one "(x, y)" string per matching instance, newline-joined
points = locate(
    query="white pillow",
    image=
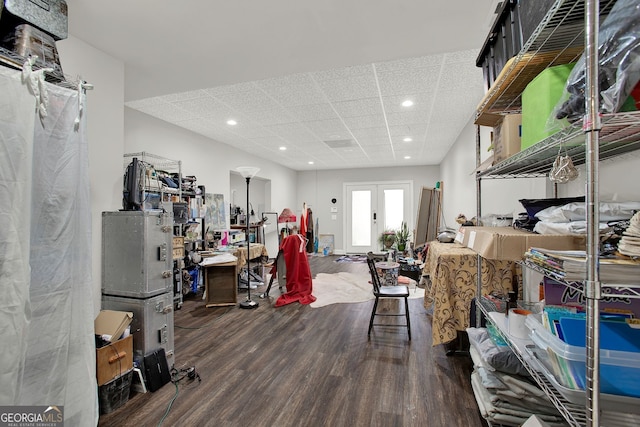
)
(609, 211)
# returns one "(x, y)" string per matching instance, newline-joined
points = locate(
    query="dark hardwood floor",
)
(301, 366)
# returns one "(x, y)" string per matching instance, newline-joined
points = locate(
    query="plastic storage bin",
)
(503, 42)
(115, 393)
(619, 370)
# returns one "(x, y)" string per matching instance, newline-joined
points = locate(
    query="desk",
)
(221, 284)
(452, 269)
(221, 279)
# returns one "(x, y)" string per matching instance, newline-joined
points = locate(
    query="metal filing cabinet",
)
(152, 324)
(137, 253)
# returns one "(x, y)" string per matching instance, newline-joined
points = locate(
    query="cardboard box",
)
(556, 293)
(114, 360)
(507, 137)
(178, 247)
(510, 244)
(112, 323)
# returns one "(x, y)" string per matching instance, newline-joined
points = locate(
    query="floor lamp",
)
(247, 173)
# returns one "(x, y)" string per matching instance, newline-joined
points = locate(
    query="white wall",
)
(210, 161)
(317, 188)
(618, 180)
(105, 133)
(499, 196)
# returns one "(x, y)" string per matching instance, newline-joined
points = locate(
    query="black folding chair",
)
(379, 291)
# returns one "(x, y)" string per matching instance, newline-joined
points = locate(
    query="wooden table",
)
(452, 269)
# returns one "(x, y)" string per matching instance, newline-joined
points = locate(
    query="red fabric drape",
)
(299, 282)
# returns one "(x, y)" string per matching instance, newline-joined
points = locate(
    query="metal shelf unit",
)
(560, 38)
(620, 134)
(149, 188)
(574, 414)
(631, 291)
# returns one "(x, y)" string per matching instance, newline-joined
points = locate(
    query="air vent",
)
(340, 143)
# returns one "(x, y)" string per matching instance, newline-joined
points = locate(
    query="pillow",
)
(609, 211)
(533, 206)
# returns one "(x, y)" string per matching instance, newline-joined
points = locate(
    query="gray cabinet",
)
(152, 324)
(137, 256)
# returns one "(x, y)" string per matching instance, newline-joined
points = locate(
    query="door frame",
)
(347, 209)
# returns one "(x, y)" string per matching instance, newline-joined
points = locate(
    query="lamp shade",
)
(247, 171)
(287, 215)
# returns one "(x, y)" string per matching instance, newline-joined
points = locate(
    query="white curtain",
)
(46, 308)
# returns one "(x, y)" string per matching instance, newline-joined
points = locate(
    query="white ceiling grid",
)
(360, 103)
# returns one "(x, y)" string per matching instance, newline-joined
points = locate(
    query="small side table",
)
(389, 272)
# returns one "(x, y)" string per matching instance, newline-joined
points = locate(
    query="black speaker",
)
(156, 369)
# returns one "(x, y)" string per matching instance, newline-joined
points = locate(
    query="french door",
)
(371, 209)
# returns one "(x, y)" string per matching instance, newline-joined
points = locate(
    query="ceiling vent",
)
(341, 143)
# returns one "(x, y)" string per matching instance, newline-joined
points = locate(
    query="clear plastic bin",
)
(619, 370)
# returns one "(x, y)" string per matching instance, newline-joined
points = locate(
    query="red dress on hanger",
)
(299, 282)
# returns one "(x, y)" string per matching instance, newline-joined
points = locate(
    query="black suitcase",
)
(156, 369)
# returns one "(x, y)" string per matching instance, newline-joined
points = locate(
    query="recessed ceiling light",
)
(283, 148)
(407, 139)
(407, 157)
(407, 103)
(310, 162)
(231, 122)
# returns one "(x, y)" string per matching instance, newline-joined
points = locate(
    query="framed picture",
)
(326, 241)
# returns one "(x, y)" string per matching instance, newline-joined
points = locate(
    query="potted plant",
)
(387, 239)
(402, 237)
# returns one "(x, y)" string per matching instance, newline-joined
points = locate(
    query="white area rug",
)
(348, 288)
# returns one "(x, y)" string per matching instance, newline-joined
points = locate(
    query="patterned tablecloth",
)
(256, 250)
(452, 269)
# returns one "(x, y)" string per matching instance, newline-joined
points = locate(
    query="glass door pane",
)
(361, 218)
(393, 208)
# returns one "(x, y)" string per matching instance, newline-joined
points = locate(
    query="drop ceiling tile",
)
(461, 78)
(292, 132)
(248, 101)
(146, 102)
(369, 142)
(421, 102)
(184, 96)
(251, 132)
(378, 132)
(204, 107)
(408, 81)
(355, 87)
(197, 125)
(377, 150)
(168, 112)
(277, 115)
(406, 118)
(295, 95)
(358, 107)
(325, 128)
(342, 73)
(364, 122)
(467, 56)
(313, 112)
(298, 79)
(413, 130)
